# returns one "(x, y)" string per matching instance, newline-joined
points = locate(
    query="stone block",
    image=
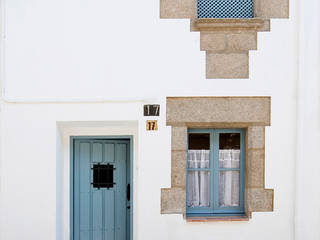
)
(178, 8)
(255, 169)
(179, 138)
(271, 8)
(242, 41)
(217, 110)
(227, 65)
(173, 200)
(212, 41)
(256, 137)
(178, 169)
(259, 199)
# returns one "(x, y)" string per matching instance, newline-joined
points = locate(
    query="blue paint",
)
(100, 213)
(225, 8)
(215, 170)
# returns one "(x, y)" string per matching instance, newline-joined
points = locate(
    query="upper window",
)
(215, 171)
(225, 8)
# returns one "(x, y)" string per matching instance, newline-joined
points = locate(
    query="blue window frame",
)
(225, 8)
(215, 172)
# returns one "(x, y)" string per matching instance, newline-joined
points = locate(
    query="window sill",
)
(217, 218)
(207, 24)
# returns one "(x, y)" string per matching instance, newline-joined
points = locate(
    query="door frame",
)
(130, 165)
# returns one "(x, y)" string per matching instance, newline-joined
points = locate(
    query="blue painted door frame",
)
(103, 214)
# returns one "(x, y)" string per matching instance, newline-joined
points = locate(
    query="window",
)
(215, 172)
(225, 9)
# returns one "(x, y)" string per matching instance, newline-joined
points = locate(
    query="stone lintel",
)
(220, 110)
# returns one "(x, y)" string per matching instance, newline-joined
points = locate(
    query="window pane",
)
(229, 141)
(199, 141)
(229, 150)
(229, 188)
(198, 189)
(198, 158)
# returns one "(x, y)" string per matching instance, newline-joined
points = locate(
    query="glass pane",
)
(198, 158)
(229, 188)
(198, 189)
(229, 150)
(199, 141)
(229, 141)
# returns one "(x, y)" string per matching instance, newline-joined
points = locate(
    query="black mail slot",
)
(103, 176)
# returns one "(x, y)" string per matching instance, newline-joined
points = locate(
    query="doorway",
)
(101, 188)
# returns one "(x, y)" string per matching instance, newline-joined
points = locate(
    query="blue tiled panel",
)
(225, 8)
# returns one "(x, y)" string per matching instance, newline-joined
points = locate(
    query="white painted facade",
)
(87, 67)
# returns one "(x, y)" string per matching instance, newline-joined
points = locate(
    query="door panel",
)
(100, 213)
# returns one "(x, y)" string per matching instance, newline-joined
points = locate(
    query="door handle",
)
(128, 192)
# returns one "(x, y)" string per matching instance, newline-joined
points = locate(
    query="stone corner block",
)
(272, 8)
(173, 201)
(212, 41)
(260, 200)
(178, 169)
(179, 138)
(256, 137)
(227, 65)
(242, 41)
(178, 8)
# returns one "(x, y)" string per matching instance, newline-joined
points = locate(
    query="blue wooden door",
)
(101, 209)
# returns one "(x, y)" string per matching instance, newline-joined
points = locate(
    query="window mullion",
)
(216, 169)
(212, 175)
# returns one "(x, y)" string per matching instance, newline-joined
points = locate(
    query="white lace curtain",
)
(229, 181)
(199, 181)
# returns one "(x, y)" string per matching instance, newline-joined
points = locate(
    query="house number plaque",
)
(152, 125)
(151, 110)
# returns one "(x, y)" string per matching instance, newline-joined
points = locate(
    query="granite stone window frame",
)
(250, 113)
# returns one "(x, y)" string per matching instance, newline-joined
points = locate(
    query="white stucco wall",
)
(121, 50)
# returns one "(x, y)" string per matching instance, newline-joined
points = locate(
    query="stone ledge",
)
(229, 24)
